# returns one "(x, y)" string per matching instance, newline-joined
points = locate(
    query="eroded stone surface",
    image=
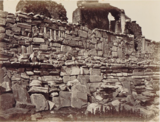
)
(79, 96)
(40, 102)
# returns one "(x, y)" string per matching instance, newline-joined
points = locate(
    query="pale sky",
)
(144, 12)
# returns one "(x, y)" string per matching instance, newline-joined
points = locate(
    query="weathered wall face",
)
(47, 64)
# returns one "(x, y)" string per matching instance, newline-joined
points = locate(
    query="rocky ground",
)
(72, 114)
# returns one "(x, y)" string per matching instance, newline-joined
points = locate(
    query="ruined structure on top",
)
(97, 66)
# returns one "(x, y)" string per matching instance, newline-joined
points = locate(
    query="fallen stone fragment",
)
(35, 89)
(79, 96)
(40, 102)
(51, 104)
(92, 108)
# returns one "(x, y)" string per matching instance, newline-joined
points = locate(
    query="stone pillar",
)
(117, 27)
(51, 34)
(123, 22)
(143, 44)
(1, 5)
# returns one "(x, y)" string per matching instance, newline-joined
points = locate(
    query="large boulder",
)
(48, 8)
(79, 96)
(40, 102)
(65, 98)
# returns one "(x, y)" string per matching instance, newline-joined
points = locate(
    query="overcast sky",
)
(144, 12)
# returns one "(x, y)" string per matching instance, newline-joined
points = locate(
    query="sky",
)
(144, 12)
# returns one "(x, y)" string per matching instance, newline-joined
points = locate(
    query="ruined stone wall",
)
(48, 64)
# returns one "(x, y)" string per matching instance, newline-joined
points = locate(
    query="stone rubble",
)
(48, 65)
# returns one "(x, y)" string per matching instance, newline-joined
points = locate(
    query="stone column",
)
(143, 44)
(123, 21)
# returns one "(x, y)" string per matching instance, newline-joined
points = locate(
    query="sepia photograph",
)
(79, 60)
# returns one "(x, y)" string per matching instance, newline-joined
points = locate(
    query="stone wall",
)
(48, 64)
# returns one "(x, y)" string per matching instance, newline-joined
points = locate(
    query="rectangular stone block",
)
(43, 46)
(83, 79)
(65, 98)
(114, 54)
(38, 40)
(66, 70)
(3, 14)
(75, 70)
(24, 25)
(67, 78)
(95, 78)
(79, 96)
(110, 80)
(95, 71)
(56, 44)
(2, 21)
(82, 33)
(65, 48)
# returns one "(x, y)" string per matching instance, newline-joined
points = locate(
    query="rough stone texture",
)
(35, 89)
(73, 65)
(65, 98)
(79, 96)
(14, 112)
(40, 102)
(93, 107)
(95, 78)
(1, 5)
(20, 93)
(7, 101)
